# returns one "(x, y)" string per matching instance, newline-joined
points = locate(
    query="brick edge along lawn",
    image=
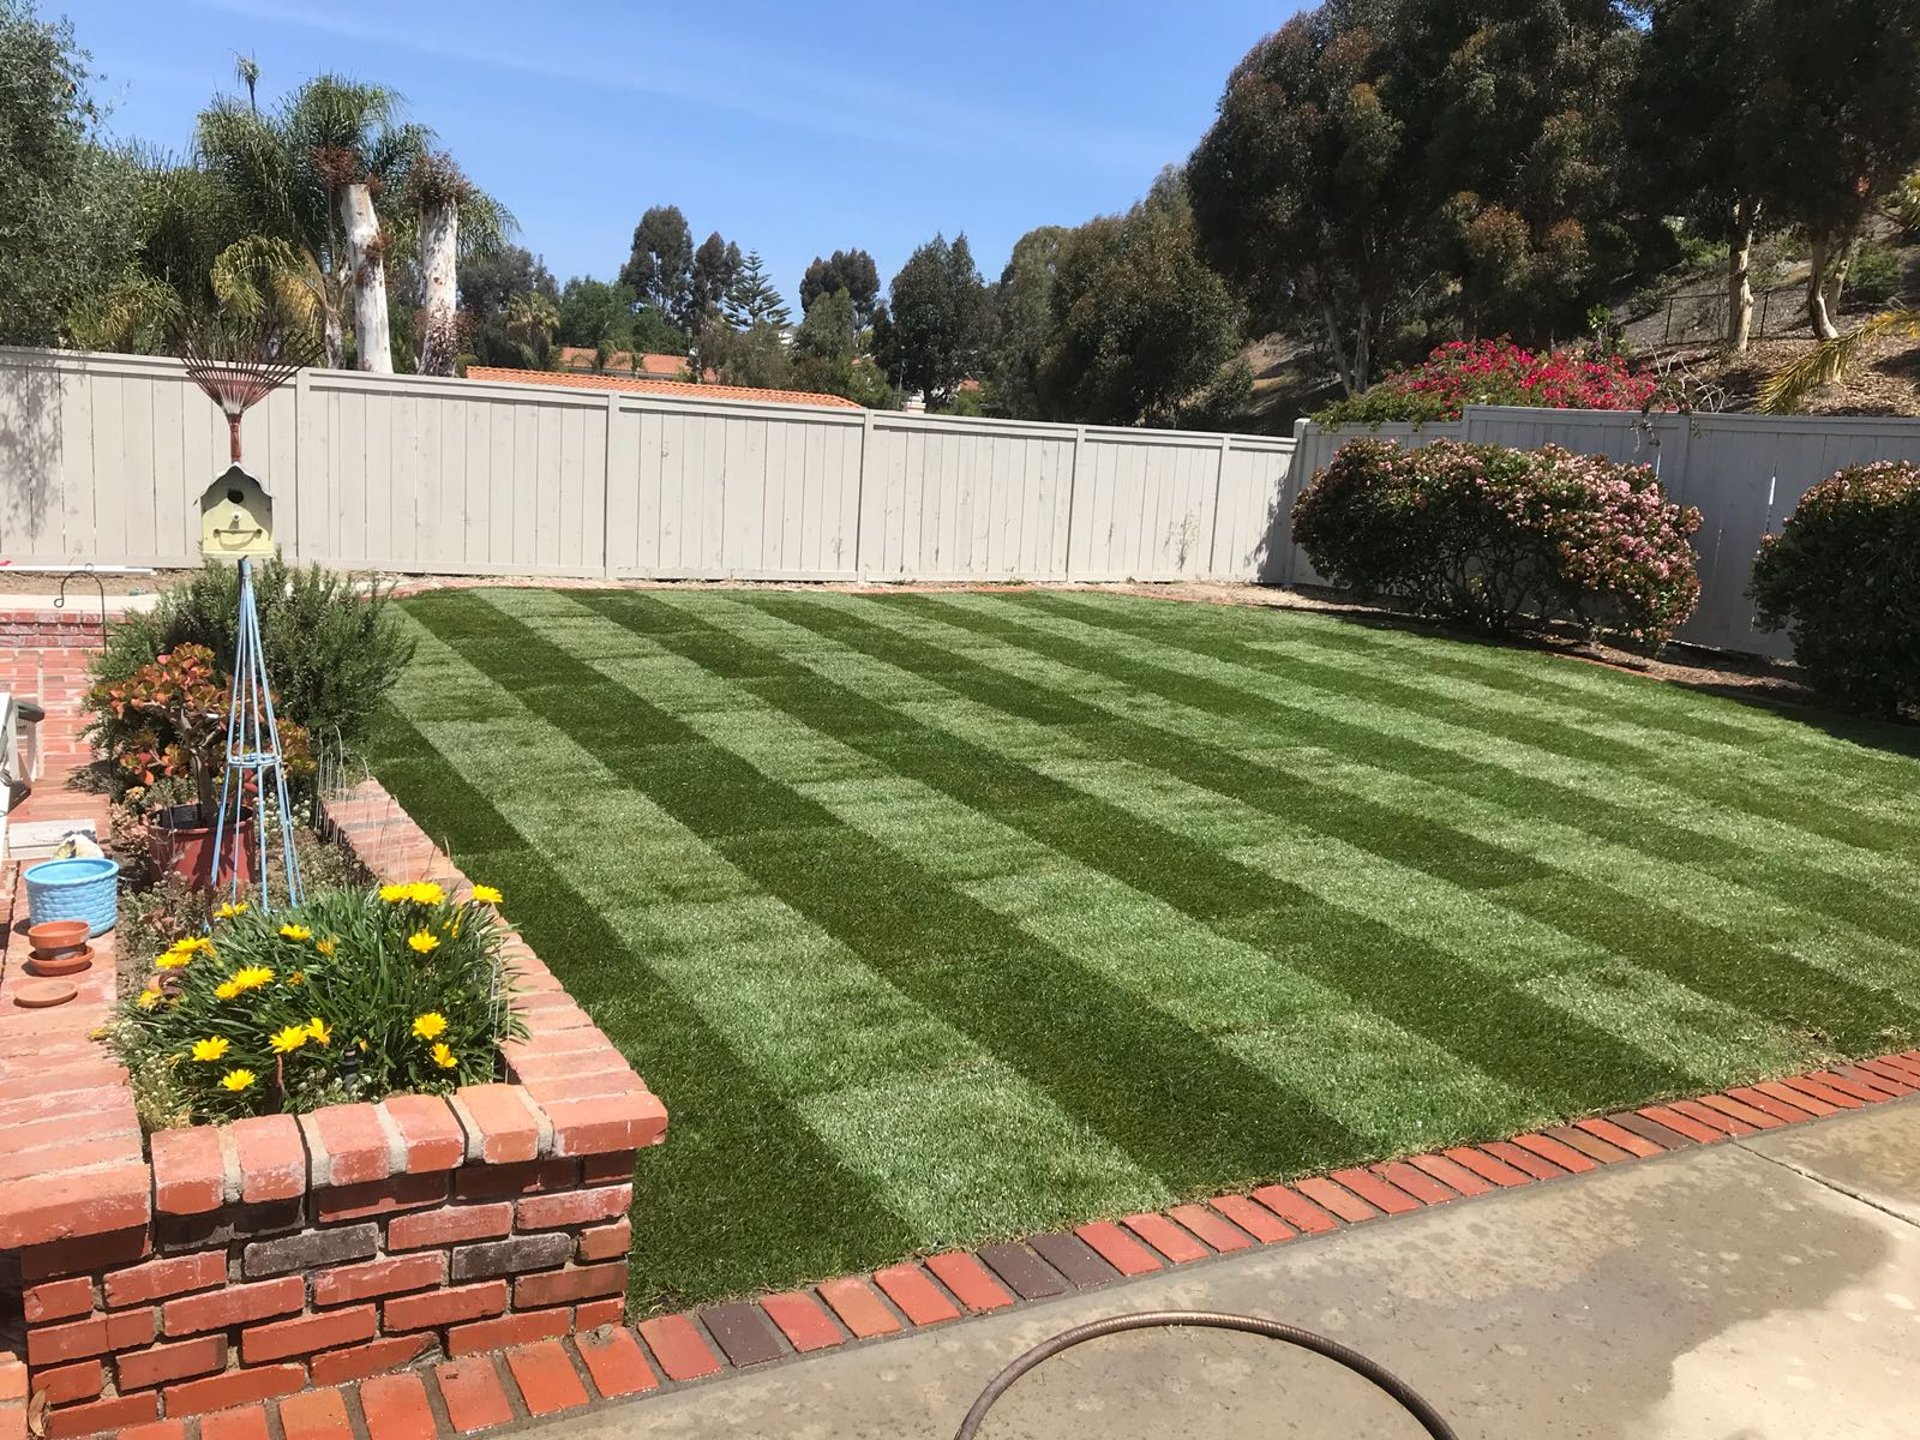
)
(942, 918)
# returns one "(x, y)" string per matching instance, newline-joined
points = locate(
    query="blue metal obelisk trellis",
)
(253, 755)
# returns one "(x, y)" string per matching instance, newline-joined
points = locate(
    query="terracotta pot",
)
(70, 963)
(182, 844)
(51, 938)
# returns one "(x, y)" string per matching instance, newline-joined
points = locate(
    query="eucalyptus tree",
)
(453, 218)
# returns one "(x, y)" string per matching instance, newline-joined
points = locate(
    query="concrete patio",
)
(1765, 1289)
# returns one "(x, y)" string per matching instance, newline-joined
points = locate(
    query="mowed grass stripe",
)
(1106, 1060)
(1646, 1010)
(1299, 1030)
(1860, 888)
(951, 1140)
(734, 1202)
(1696, 955)
(1416, 986)
(1689, 767)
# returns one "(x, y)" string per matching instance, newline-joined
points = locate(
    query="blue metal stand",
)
(253, 749)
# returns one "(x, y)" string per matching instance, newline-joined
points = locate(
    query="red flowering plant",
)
(1494, 536)
(1497, 372)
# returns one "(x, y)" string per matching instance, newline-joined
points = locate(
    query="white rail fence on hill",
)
(103, 458)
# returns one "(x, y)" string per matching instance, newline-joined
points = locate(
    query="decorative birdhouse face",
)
(236, 518)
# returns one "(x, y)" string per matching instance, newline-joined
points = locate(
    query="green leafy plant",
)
(1843, 578)
(1875, 274)
(350, 995)
(1495, 536)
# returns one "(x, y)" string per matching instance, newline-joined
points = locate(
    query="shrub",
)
(333, 650)
(1843, 575)
(1874, 276)
(1496, 372)
(350, 995)
(1490, 535)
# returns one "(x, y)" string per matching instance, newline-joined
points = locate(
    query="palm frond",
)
(1787, 388)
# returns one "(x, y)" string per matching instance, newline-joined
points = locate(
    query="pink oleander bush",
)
(1497, 372)
(1495, 536)
(1843, 575)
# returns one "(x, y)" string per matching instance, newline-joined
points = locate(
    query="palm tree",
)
(531, 320)
(246, 70)
(1829, 360)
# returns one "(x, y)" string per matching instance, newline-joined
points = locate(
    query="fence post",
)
(612, 415)
(1219, 478)
(1073, 500)
(860, 494)
(302, 395)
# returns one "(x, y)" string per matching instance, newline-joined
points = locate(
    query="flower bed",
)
(249, 1259)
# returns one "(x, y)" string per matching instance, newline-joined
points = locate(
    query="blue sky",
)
(794, 128)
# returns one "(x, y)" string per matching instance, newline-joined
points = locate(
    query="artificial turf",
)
(938, 918)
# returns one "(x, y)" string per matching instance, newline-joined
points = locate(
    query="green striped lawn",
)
(940, 918)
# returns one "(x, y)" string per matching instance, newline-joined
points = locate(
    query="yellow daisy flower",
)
(227, 989)
(149, 998)
(319, 1032)
(425, 941)
(189, 945)
(212, 1049)
(428, 893)
(286, 1041)
(296, 932)
(326, 946)
(394, 894)
(238, 1080)
(298, 977)
(429, 1026)
(252, 977)
(486, 894)
(443, 1057)
(174, 959)
(230, 909)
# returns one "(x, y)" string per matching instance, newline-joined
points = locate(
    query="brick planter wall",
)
(238, 1262)
(78, 624)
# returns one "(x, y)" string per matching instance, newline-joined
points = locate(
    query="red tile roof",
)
(658, 367)
(680, 390)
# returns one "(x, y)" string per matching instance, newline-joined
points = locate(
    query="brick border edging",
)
(667, 1353)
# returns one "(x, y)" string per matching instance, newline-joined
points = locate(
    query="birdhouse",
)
(236, 518)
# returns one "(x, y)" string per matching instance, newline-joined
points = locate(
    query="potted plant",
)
(171, 718)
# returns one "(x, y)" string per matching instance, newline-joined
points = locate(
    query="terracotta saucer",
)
(51, 937)
(42, 994)
(68, 962)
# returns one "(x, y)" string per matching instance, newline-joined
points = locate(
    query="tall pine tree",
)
(752, 299)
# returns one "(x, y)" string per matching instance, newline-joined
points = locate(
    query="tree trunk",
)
(1739, 279)
(373, 340)
(333, 342)
(1336, 344)
(1818, 314)
(439, 336)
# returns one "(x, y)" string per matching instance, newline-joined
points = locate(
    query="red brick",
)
(564, 1287)
(428, 1130)
(859, 1309)
(500, 1127)
(1682, 1124)
(1487, 1167)
(1813, 1085)
(108, 1416)
(1212, 1228)
(454, 1225)
(338, 1367)
(446, 1307)
(1118, 1248)
(591, 1313)
(615, 1167)
(1591, 1146)
(236, 1387)
(576, 1207)
(396, 1408)
(1376, 1192)
(271, 1156)
(1416, 1182)
(58, 1300)
(476, 1400)
(84, 1255)
(497, 1182)
(606, 1242)
(1556, 1153)
(315, 1415)
(976, 1286)
(1714, 1119)
(1865, 1094)
(379, 1277)
(379, 1197)
(1296, 1209)
(678, 1346)
(802, 1319)
(614, 1360)
(1745, 1114)
(1256, 1220)
(157, 1430)
(547, 1380)
(181, 1360)
(1868, 1077)
(45, 1208)
(234, 1305)
(1603, 1129)
(608, 1123)
(1891, 1070)
(1786, 1095)
(1521, 1158)
(159, 1279)
(78, 1339)
(245, 1424)
(66, 1384)
(519, 1329)
(1166, 1237)
(1340, 1201)
(919, 1299)
(188, 1173)
(307, 1334)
